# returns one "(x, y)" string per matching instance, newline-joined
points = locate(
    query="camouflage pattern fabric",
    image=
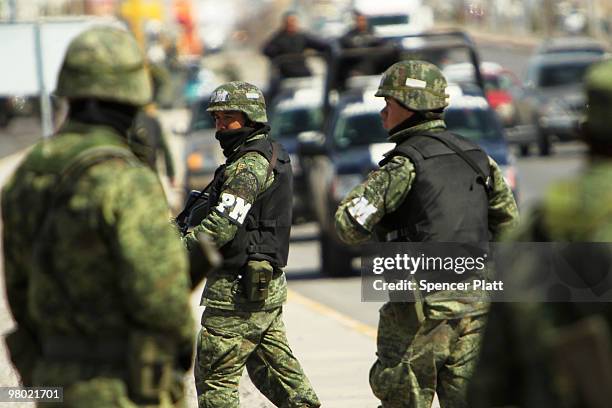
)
(239, 96)
(417, 358)
(231, 340)
(427, 347)
(105, 63)
(386, 188)
(418, 85)
(237, 331)
(102, 262)
(598, 86)
(518, 340)
(223, 290)
(521, 364)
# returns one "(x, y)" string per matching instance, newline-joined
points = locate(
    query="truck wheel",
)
(543, 144)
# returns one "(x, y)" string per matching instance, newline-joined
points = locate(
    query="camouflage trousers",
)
(230, 340)
(419, 357)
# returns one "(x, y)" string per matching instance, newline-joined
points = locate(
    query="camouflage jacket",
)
(222, 290)
(395, 179)
(100, 261)
(517, 365)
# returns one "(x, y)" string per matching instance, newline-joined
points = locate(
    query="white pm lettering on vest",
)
(361, 210)
(234, 207)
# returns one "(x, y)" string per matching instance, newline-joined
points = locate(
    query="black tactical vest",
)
(264, 235)
(448, 200)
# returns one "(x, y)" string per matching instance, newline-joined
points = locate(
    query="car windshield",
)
(359, 130)
(560, 75)
(290, 122)
(388, 20)
(200, 119)
(474, 124)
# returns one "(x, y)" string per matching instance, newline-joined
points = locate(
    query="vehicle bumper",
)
(521, 134)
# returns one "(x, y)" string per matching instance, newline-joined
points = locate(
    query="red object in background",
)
(498, 97)
(189, 42)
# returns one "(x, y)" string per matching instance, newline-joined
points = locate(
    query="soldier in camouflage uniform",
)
(425, 191)
(558, 354)
(96, 276)
(248, 217)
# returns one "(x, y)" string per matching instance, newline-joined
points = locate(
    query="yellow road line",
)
(333, 314)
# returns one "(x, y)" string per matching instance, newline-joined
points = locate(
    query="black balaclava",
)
(417, 119)
(119, 116)
(231, 139)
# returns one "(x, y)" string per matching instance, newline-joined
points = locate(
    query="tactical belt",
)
(66, 348)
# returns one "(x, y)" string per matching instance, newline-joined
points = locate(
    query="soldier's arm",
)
(245, 180)
(154, 275)
(271, 48)
(503, 212)
(316, 43)
(382, 192)
(15, 258)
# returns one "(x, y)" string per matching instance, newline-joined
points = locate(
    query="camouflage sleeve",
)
(16, 278)
(245, 180)
(381, 193)
(156, 280)
(503, 212)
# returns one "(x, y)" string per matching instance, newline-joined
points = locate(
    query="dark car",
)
(575, 44)
(553, 101)
(356, 141)
(503, 90)
(292, 118)
(202, 153)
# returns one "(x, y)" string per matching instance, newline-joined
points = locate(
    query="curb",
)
(333, 314)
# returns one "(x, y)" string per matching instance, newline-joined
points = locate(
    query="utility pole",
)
(549, 17)
(594, 18)
(12, 6)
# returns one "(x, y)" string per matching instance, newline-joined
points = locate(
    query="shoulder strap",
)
(488, 183)
(272, 163)
(90, 157)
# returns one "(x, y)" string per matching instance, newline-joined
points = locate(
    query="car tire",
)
(335, 259)
(543, 144)
(524, 150)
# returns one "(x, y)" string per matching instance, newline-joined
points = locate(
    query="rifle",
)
(185, 219)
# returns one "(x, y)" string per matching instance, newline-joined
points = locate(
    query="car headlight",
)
(202, 161)
(505, 111)
(195, 161)
(343, 184)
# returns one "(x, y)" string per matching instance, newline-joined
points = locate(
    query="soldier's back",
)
(86, 233)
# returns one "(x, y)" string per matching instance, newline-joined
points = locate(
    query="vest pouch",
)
(256, 280)
(150, 368)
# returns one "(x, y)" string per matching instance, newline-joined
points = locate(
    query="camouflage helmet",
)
(239, 96)
(598, 85)
(418, 85)
(105, 63)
